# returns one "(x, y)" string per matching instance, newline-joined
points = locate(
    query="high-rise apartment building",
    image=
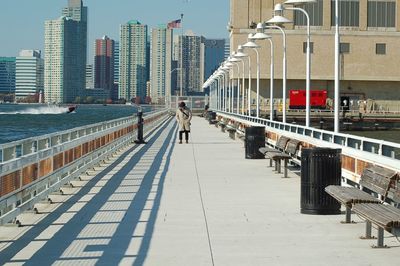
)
(214, 54)
(160, 63)
(65, 54)
(104, 63)
(29, 74)
(114, 92)
(133, 57)
(191, 62)
(369, 56)
(7, 75)
(89, 77)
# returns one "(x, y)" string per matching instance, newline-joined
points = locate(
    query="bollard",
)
(140, 124)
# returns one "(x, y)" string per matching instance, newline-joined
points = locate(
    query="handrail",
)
(31, 177)
(378, 147)
(19, 148)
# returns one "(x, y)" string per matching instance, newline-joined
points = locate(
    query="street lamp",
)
(254, 46)
(277, 21)
(337, 69)
(241, 56)
(260, 35)
(227, 66)
(296, 4)
(236, 61)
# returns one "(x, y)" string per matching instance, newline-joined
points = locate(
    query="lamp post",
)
(226, 87)
(254, 46)
(279, 20)
(337, 69)
(236, 61)
(241, 56)
(296, 4)
(260, 35)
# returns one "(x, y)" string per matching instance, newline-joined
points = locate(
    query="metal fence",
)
(33, 168)
(195, 103)
(370, 150)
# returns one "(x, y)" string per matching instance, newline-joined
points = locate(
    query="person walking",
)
(183, 116)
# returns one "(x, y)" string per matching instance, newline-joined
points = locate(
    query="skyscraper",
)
(192, 63)
(213, 56)
(160, 64)
(77, 12)
(133, 58)
(89, 77)
(65, 54)
(114, 93)
(29, 73)
(7, 75)
(104, 63)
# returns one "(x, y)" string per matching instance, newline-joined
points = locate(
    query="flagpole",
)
(181, 58)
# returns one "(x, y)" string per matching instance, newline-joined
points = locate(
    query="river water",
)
(22, 121)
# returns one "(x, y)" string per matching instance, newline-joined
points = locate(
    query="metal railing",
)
(373, 150)
(33, 168)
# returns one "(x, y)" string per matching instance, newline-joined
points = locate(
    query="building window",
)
(344, 48)
(381, 48)
(349, 13)
(311, 47)
(382, 14)
(315, 11)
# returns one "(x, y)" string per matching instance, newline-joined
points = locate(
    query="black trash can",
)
(320, 167)
(212, 116)
(254, 139)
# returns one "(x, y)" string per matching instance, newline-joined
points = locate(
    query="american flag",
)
(174, 24)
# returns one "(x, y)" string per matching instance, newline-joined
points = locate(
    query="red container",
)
(298, 99)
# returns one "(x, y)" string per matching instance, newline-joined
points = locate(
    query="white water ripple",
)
(39, 110)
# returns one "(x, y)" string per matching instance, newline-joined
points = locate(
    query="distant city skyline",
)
(26, 18)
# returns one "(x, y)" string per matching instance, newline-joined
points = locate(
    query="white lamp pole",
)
(241, 56)
(260, 35)
(308, 53)
(254, 46)
(279, 20)
(235, 61)
(337, 68)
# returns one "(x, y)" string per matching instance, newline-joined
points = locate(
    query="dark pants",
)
(186, 135)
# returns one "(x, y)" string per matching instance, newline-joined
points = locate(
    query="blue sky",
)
(22, 21)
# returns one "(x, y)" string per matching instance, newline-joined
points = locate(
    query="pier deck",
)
(200, 203)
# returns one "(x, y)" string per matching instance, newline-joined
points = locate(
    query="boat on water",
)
(71, 108)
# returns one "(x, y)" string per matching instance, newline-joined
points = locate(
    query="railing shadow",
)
(104, 249)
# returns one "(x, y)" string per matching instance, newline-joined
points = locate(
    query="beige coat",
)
(183, 116)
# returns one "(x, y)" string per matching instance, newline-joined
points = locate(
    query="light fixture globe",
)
(278, 20)
(240, 53)
(250, 44)
(299, 2)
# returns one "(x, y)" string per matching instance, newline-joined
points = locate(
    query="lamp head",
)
(278, 20)
(250, 44)
(299, 2)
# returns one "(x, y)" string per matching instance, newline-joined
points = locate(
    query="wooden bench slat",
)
(385, 216)
(350, 195)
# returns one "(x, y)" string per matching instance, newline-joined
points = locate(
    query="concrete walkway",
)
(200, 203)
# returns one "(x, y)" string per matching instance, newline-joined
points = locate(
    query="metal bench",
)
(232, 128)
(286, 149)
(385, 217)
(381, 182)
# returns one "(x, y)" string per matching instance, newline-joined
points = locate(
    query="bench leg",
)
(348, 216)
(368, 229)
(285, 169)
(380, 239)
(278, 166)
(270, 162)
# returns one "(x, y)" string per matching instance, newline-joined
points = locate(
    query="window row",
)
(380, 48)
(380, 13)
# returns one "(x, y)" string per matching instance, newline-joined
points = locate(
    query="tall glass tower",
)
(160, 63)
(65, 54)
(133, 61)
